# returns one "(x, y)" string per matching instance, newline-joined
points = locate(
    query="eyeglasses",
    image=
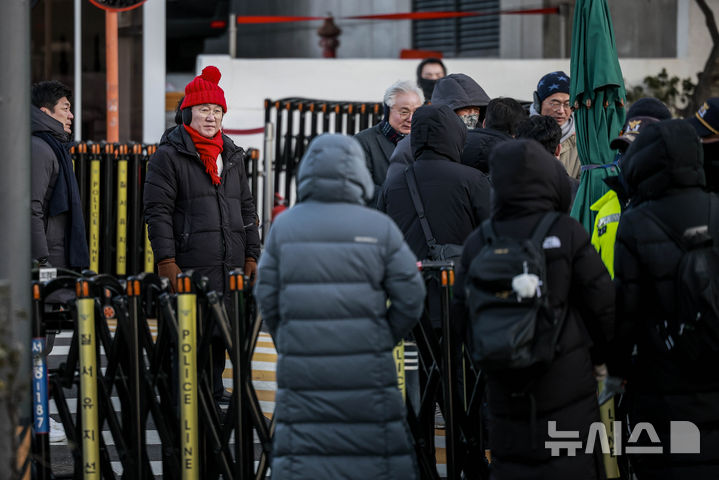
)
(556, 105)
(404, 113)
(205, 111)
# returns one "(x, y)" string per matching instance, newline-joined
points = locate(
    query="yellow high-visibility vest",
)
(606, 222)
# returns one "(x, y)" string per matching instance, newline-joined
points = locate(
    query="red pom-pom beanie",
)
(205, 89)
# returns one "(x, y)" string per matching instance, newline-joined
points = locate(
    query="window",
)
(458, 37)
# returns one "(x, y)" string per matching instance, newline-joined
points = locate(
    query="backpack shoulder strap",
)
(665, 228)
(417, 201)
(543, 226)
(486, 230)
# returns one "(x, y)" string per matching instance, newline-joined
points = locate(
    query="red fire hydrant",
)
(328, 41)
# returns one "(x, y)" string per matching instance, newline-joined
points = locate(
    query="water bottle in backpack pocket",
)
(512, 322)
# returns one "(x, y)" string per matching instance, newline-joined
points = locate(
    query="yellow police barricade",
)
(121, 229)
(187, 323)
(95, 208)
(88, 381)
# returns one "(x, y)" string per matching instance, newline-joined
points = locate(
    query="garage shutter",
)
(458, 37)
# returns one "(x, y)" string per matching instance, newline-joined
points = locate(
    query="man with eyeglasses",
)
(198, 206)
(401, 99)
(552, 99)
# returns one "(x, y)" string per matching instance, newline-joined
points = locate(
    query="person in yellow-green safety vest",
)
(609, 207)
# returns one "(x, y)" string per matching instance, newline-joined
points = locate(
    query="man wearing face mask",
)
(198, 206)
(460, 93)
(401, 99)
(429, 71)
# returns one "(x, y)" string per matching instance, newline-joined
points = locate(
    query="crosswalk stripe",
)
(266, 395)
(264, 385)
(265, 357)
(155, 466)
(263, 375)
(264, 366)
(268, 349)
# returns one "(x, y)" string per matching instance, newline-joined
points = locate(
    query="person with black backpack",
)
(539, 305)
(666, 266)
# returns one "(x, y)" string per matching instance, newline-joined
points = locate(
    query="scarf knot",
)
(208, 149)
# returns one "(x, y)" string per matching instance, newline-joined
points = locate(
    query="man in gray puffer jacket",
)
(329, 267)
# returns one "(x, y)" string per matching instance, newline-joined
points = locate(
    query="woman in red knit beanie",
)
(198, 206)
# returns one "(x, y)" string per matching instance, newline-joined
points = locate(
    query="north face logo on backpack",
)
(512, 323)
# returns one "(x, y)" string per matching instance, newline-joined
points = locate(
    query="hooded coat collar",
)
(437, 133)
(667, 156)
(526, 179)
(458, 90)
(42, 122)
(334, 170)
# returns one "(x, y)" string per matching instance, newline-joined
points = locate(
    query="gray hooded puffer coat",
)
(328, 269)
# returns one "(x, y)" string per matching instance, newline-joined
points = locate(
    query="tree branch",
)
(705, 78)
(711, 23)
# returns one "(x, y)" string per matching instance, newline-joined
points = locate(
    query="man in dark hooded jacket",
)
(328, 270)
(663, 170)
(460, 93)
(455, 197)
(527, 183)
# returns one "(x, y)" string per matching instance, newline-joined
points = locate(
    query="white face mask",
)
(470, 119)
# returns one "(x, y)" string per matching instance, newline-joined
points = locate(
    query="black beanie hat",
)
(551, 83)
(649, 107)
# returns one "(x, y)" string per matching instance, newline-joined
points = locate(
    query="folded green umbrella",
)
(597, 94)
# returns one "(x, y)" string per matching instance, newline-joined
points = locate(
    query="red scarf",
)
(209, 149)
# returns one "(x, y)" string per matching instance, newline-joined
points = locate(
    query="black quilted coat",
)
(208, 228)
(663, 170)
(528, 182)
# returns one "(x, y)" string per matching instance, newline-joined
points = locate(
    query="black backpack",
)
(508, 331)
(695, 332)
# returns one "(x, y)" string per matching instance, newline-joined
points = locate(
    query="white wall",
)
(521, 36)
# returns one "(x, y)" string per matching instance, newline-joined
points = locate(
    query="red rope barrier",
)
(249, 19)
(243, 131)
(273, 19)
